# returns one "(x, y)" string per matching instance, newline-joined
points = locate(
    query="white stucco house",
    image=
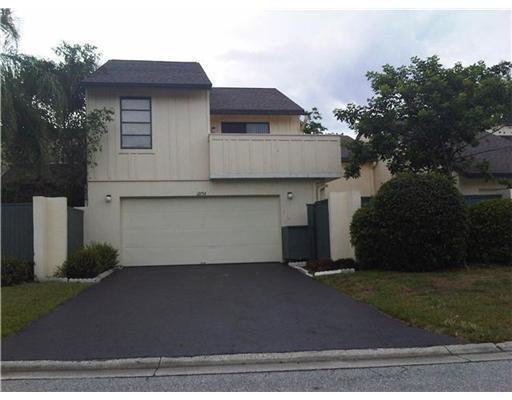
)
(189, 173)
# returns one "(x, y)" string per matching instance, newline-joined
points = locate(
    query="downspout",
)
(318, 188)
(374, 181)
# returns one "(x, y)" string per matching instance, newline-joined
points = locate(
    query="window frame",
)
(245, 123)
(121, 98)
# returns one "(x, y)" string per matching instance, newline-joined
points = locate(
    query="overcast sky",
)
(318, 58)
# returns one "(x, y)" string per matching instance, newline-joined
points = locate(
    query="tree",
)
(9, 31)
(48, 138)
(311, 124)
(423, 116)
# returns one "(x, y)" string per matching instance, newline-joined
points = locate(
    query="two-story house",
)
(192, 174)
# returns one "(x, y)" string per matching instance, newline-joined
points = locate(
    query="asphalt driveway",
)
(194, 310)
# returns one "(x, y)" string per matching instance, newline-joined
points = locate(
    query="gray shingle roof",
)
(252, 101)
(149, 73)
(497, 150)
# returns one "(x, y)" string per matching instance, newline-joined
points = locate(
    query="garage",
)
(196, 230)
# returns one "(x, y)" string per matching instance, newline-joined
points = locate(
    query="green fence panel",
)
(18, 231)
(75, 229)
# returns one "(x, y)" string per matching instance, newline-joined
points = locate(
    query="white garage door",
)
(171, 231)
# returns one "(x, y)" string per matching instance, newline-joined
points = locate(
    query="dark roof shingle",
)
(252, 101)
(495, 149)
(149, 73)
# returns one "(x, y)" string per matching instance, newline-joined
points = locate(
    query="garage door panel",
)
(161, 238)
(169, 231)
(162, 220)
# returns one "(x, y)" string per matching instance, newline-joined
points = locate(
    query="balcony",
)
(274, 156)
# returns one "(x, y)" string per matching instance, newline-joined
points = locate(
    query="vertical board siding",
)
(18, 231)
(180, 129)
(75, 229)
(274, 156)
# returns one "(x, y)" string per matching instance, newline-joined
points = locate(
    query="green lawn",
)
(473, 304)
(22, 304)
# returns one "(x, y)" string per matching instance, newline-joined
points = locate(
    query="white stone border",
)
(299, 266)
(96, 279)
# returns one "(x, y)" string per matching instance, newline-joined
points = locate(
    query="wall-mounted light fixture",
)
(290, 195)
(108, 198)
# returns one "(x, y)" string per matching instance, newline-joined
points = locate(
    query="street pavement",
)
(471, 376)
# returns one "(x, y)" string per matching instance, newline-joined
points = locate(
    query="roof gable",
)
(169, 74)
(252, 101)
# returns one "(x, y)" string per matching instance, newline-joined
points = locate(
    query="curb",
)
(256, 362)
(299, 266)
(96, 279)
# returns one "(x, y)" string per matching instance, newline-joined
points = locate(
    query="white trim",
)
(96, 279)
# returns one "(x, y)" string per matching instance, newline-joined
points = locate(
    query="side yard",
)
(22, 304)
(473, 304)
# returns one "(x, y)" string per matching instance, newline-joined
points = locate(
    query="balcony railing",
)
(274, 156)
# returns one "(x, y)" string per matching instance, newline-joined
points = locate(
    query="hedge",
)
(416, 222)
(490, 231)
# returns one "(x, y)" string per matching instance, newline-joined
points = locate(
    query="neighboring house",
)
(373, 175)
(191, 174)
(495, 148)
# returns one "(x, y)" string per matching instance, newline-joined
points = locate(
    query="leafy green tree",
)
(9, 31)
(48, 138)
(311, 123)
(423, 116)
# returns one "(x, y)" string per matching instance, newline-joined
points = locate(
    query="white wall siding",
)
(274, 156)
(180, 126)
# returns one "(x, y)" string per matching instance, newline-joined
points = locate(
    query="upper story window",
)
(245, 127)
(136, 123)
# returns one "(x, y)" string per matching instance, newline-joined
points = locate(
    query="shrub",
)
(364, 236)
(16, 271)
(414, 223)
(323, 264)
(90, 261)
(490, 231)
(344, 263)
(106, 256)
(326, 264)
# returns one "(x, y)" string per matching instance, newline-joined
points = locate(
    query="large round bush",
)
(364, 236)
(490, 231)
(414, 223)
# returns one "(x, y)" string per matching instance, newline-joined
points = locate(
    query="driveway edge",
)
(258, 362)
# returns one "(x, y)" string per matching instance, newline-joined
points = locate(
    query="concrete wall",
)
(279, 124)
(371, 179)
(50, 235)
(342, 206)
(102, 220)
